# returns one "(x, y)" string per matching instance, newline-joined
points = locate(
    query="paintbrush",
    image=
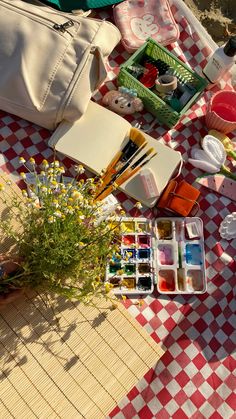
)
(133, 166)
(132, 170)
(136, 140)
(112, 177)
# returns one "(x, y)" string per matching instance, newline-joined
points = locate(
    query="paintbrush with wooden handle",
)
(112, 177)
(132, 170)
(135, 143)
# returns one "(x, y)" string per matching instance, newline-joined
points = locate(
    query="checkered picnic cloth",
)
(196, 376)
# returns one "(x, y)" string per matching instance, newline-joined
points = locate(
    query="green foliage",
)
(63, 238)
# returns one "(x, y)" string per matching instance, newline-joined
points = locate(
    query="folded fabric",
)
(138, 20)
(69, 5)
(179, 197)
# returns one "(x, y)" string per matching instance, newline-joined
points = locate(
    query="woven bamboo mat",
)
(80, 366)
(10, 191)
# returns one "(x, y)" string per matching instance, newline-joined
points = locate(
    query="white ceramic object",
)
(228, 227)
(211, 158)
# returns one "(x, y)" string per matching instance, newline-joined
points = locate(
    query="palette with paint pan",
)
(168, 252)
(179, 256)
(132, 270)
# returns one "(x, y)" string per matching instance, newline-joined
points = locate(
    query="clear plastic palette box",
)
(167, 252)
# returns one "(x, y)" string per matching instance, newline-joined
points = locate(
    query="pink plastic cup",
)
(221, 112)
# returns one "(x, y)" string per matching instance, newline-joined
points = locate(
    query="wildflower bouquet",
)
(63, 237)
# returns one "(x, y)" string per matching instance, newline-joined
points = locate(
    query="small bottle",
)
(220, 61)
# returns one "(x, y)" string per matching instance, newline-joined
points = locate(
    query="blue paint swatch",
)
(144, 253)
(193, 254)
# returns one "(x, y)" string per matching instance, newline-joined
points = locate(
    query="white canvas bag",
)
(50, 62)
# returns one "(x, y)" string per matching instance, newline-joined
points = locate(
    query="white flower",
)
(43, 188)
(32, 204)
(57, 214)
(138, 205)
(90, 180)
(23, 175)
(54, 184)
(55, 203)
(69, 209)
(51, 219)
(77, 195)
(22, 160)
(32, 161)
(79, 169)
(45, 164)
(24, 193)
(55, 163)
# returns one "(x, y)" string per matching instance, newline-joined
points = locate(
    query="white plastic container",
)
(182, 271)
(168, 252)
(220, 61)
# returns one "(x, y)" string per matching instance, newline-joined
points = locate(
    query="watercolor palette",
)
(168, 252)
(179, 256)
(131, 270)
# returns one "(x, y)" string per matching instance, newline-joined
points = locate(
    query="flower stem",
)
(231, 153)
(225, 171)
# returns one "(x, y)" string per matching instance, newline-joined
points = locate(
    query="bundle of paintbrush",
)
(123, 166)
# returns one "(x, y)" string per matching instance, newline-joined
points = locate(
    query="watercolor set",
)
(180, 257)
(168, 252)
(131, 270)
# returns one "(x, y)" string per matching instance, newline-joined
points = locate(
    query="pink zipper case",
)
(138, 20)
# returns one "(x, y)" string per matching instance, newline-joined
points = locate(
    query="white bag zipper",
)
(60, 27)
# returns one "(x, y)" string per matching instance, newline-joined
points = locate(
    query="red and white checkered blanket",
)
(196, 376)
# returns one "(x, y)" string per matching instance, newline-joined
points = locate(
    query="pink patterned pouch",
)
(138, 20)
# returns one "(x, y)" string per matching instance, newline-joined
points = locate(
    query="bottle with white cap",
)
(220, 61)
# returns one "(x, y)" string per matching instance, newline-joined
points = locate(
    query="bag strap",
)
(101, 67)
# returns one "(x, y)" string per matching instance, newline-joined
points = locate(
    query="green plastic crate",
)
(153, 103)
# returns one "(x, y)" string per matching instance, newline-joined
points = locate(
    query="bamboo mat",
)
(78, 367)
(10, 191)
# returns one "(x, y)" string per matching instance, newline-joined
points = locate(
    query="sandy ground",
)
(217, 16)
